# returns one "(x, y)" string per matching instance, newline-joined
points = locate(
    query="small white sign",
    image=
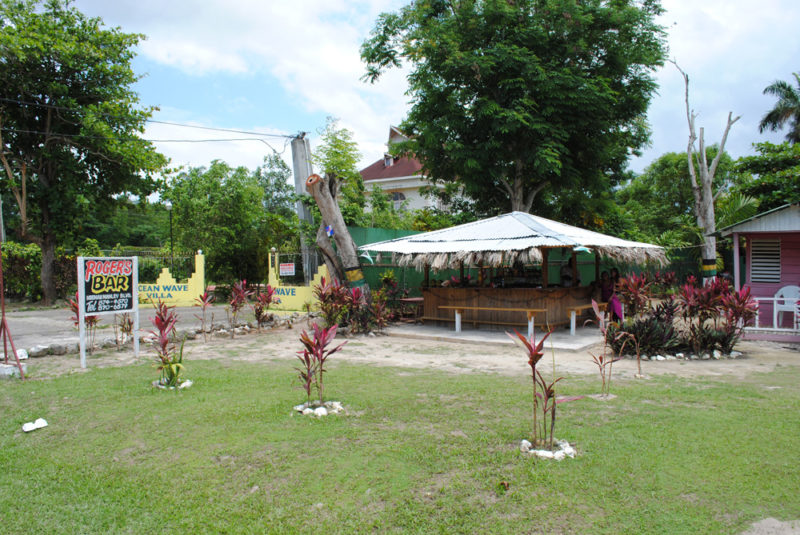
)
(286, 270)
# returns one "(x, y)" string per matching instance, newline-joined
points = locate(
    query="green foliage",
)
(786, 110)
(500, 91)
(134, 224)
(775, 172)
(89, 247)
(21, 267)
(226, 213)
(337, 156)
(71, 122)
(660, 202)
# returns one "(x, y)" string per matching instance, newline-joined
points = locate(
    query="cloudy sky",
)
(281, 67)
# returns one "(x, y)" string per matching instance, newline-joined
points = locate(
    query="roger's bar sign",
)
(108, 285)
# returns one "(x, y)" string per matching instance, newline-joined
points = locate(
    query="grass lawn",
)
(419, 452)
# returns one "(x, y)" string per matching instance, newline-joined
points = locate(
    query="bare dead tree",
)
(701, 174)
(342, 262)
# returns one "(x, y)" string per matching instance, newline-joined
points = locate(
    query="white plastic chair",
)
(786, 301)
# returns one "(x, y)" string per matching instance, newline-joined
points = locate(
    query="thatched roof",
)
(505, 239)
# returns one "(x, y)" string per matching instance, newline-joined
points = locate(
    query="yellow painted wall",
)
(294, 297)
(168, 290)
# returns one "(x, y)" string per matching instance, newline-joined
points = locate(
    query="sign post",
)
(107, 285)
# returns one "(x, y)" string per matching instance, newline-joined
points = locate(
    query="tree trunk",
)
(48, 267)
(704, 196)
(321, 189)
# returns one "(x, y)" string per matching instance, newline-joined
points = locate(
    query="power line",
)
(181, 125)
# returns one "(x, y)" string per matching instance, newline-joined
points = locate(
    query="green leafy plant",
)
(89, 321)
(170, 358)
(332, 298)
(262, 303)
(204, 301)
(314, 355)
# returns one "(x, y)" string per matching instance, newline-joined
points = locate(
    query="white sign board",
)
(286, 270)
(107, 285)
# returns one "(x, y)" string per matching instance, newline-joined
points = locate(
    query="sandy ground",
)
(483, 357)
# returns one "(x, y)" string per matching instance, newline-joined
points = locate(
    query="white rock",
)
(38, 351)
(300, 408)
(679, 355)
(525, 446)
(37, 424)
(660, 357)
(12, 370)
(186, 384)
(544, 454)
(559, 455)
(717, 354)
(735, 354)
(644, 357)
(22, 354)
(671, 357)
(308, 410)
(320, 411)
(705, 356)
(569, 451)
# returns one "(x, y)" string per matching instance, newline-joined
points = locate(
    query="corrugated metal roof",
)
(784, 218)
(515, 231)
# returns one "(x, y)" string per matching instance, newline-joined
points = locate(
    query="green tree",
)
(773, 175)
(511, 97)
(219, 210)
(786, 110)
(661, 197)
(337, 156)
(70, 121)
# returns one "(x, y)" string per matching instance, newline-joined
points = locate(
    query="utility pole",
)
(301, 166)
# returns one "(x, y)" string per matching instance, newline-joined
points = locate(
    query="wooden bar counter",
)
(555, 301)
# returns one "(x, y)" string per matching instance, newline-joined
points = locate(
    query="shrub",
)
(314, 354)
(262, 304)
(635, 293)
(22, 266)
(239, 297)
(170, 358)
(90, 321)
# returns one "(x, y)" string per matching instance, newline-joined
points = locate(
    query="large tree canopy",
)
(511, 97)
(774, 174)
(69, 120)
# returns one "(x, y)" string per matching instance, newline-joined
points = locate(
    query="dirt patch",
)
(771, 526)
(282, 344)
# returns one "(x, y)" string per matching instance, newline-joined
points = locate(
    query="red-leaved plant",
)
(635, 292)
(262, 303)
(534, 351)
(239, 297)
(605, 360)
(204, 301)
(170, 358)
(313, 356)
(89, 321)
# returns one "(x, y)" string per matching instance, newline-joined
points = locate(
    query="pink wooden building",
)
(771, 242)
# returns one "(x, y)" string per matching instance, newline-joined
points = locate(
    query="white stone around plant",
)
(319, 410)
(661, 357)
(670, 357)
(58, 349)
(186, 383)
(717, 354)
(679, 355)
(562, 451)
(22, 354)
